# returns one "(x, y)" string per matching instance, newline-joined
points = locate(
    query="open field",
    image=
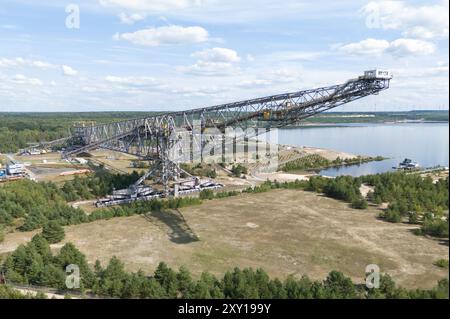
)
(283, 231)
(113, 160)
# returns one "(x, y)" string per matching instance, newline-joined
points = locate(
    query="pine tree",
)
(53, 232)
(167, 278)
(185, 285)
(2, 233)
(70, 255)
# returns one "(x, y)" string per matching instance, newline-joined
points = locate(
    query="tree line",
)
(35, 264)
(315, 161)
(41, 204)
(38, 203)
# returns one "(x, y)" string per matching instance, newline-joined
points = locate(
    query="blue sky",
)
(148, 55)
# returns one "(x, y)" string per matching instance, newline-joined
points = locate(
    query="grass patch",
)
(442, 263)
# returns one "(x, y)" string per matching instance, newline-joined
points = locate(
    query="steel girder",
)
(157, 138)
(141, 137)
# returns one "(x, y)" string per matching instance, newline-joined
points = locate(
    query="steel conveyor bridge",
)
(164, 138)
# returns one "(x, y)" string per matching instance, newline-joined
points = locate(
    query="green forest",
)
(35, 264)
(36, 204)
(414, 198)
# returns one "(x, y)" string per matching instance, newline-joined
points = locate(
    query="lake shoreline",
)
(425, 143)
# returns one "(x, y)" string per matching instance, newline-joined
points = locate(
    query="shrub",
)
(238, 170)
(436, 227)
(359, 203)
(413, 218)
(392, 216)
(206, 194)
(442, 263)
(53, 232)
(308, 162)
(211, 173)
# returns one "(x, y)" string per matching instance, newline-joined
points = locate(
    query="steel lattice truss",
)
(140, 137)
(157, 138)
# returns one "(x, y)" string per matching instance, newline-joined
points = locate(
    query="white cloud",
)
(428, 21)
(438, 71)
(404, 47)
(419, 32)
(90, 89)
(134, 84)
(68, 71)
(285, 75)
(424, 73)
(400, 47)
(131, 18)
(22, 79)
(297, 55)
(213, 62)
(209, 68)
(368, 46)
(43, 65)
(21, 62)
(132, 81)
(150, 5)
(219, 55)
(256, 83)
(172, 34)
(211, 90)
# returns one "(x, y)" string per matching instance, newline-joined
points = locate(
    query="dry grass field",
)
(283, 231)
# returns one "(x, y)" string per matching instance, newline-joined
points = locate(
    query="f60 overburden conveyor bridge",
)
(157, 138)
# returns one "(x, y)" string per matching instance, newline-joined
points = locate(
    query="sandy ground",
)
(283, 231)
(328, 154)
(365, 189)
(49, 295)
(12, 240)
(282, 177)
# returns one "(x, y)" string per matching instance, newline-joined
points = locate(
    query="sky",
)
(165, 55)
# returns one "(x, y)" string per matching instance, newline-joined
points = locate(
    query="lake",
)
(425, 143)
